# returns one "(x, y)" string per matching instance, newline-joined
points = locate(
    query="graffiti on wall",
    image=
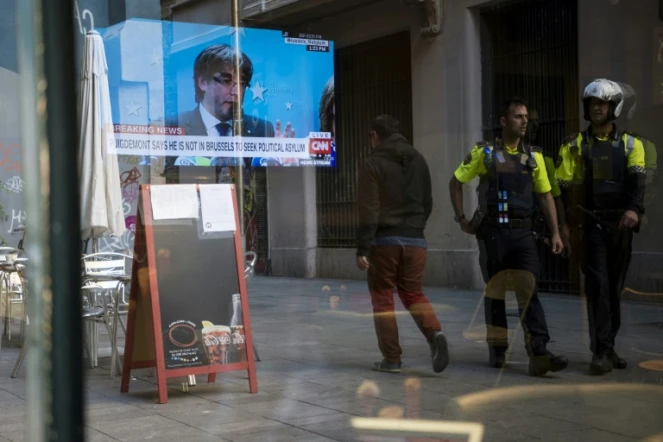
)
(12, 215)
(132, 175)
(14, 184)
(17, 220)
(118, 244)
(130, 182)
(10, 158)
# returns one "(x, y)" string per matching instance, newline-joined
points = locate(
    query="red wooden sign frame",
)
(144, 310)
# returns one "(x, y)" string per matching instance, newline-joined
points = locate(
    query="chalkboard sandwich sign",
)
(188, 310)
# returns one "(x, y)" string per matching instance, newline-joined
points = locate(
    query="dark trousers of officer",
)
(512, 259)
(608, 258)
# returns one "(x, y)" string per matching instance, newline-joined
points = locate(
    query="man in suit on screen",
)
(219, 97)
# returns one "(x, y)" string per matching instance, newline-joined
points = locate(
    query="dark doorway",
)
(530, 49)
(371, 78)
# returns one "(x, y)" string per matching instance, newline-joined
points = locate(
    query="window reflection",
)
(539, 217)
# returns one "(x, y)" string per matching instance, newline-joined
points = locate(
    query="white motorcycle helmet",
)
(611, 91)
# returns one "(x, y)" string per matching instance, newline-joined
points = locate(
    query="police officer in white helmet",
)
(602, 171)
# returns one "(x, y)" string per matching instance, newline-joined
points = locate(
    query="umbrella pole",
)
(239, 117)
(95, 245)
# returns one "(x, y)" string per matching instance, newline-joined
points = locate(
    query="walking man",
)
(395, 202)
(603, 170)
(512, 173)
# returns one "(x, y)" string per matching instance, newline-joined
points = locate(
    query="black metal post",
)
(62, 131)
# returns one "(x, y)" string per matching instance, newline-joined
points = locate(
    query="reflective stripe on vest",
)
(487, 156)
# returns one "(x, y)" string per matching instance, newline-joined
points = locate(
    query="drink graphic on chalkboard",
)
(183, 346)
(237, 329)
(216, 339)
(183, 335)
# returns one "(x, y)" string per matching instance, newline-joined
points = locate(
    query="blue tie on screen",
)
(223, 129)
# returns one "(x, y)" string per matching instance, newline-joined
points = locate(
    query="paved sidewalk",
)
(317, 346)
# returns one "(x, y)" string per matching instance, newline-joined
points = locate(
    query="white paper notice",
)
(216, 203)
(174, 201)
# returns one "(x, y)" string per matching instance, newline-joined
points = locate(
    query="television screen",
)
(203, 95)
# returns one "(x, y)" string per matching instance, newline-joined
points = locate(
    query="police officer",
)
(512, 173)
(603, 171)
(498, 310)
(539, 217)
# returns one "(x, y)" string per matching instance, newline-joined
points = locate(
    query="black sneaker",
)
(387, 367)
(617, 362)
(557, 363)
(439, 352)
(600, 364)
(496, 357)
(539, 365)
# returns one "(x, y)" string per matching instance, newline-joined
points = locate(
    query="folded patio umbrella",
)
(101, 196)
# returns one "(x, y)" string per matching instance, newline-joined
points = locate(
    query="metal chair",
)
(104, 274)
(21, 264)
(17, 297)
(15, 292)
(7, 257)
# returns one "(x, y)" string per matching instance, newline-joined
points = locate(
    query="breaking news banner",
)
(151, 141)
(178, 94)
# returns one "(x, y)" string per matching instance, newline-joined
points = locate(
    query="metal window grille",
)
(371, 78)
(530, 49)
(261, 242)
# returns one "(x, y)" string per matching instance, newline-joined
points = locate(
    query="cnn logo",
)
(320, 147)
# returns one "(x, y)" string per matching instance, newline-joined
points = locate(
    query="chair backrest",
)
(103, 264)
(109, 267)
(8, 255)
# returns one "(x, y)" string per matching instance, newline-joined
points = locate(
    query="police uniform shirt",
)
(570, 168)
(474, 165)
